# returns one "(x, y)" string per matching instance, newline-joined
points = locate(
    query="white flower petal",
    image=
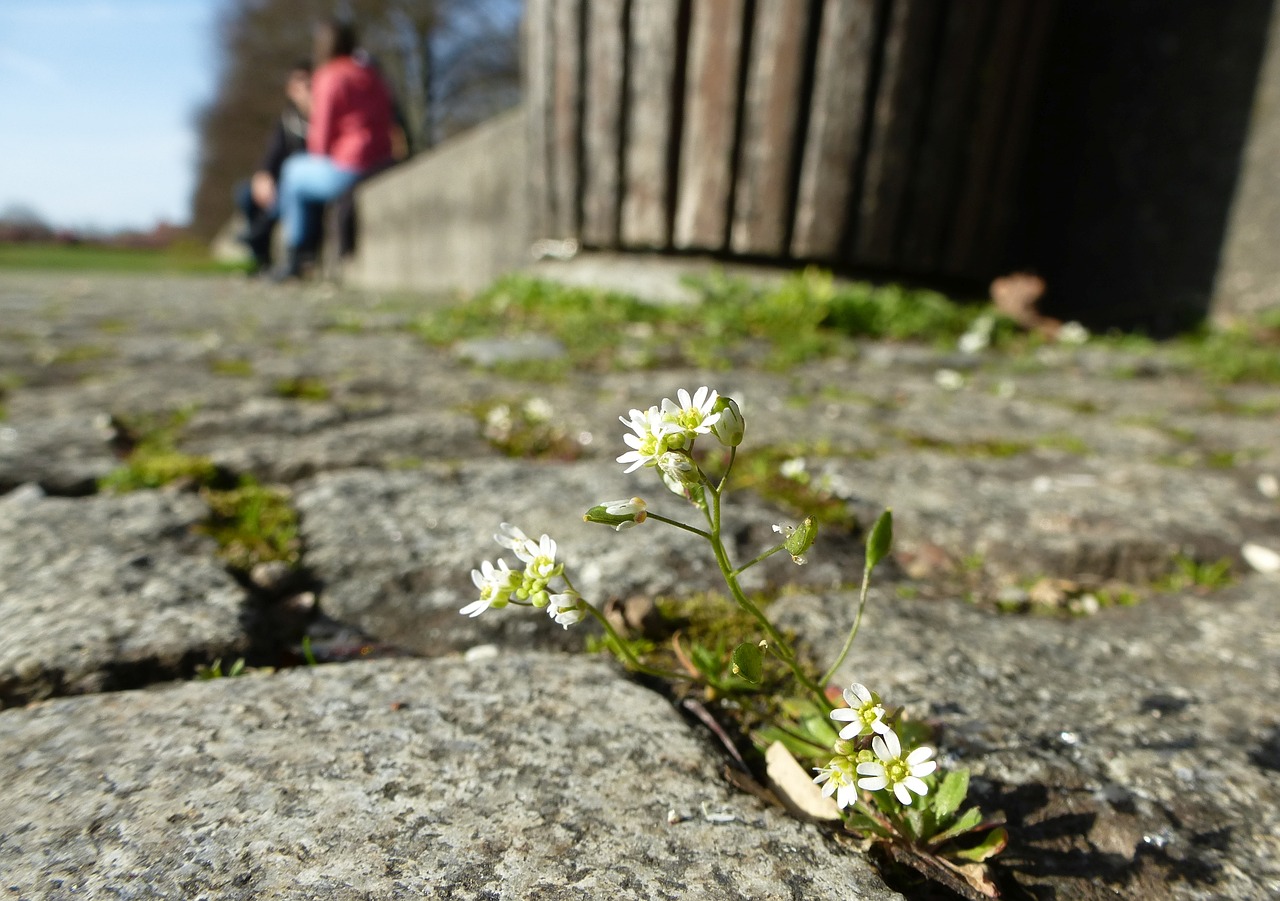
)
(916, 785)
(903, 795)
(845, 714)
(919, 755)
(873, 783)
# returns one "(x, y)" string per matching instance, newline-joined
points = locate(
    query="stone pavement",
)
(1135, 749)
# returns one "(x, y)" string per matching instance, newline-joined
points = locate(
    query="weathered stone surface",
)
(62, 454)
(524, 776)
(108, 592)
(1137, 749)
(395, 550)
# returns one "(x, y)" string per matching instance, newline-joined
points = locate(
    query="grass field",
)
(91, 257)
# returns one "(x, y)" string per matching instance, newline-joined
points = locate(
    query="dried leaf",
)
(795, 787)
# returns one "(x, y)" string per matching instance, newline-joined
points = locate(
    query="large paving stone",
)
(523, 776)
(107, 592)
(1137, 752)
(62, 454)
(1044, 514)
(394, 551)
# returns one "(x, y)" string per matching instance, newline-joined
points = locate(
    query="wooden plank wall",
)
(876, 134)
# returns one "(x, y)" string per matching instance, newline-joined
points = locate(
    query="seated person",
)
(349, 137)
(256, 197)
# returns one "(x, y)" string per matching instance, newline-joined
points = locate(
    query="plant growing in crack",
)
(874, 764)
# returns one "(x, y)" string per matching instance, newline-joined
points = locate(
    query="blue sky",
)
(98, 100)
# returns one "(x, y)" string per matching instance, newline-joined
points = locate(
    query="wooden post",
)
(602, 121)
(710, 119)
(934, 184)
(985, 136)
(771, 117)
(908, 54)
(836, 113)
(566, 94)
(538, 39)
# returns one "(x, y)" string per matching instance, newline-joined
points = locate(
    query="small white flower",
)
(678, 467)
(650, 440)
(893, 771)
(539, 557)
(694, 415)
(978, 337)
(838, 778)
(566, 608)
(865, 713)
(495, 584)
(1073, 333)
(948, 379)
(796, 469)
(537, 409)
(510, 537)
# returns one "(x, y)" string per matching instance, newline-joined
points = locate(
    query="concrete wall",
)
(454, 218)
(1249, 273)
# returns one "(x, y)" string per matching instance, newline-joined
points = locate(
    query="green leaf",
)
(881, 539)
(858, 822)
(970, 819)
(951, 794)
(989, 847)
(800, 747)
(748, 662)
(706, 660)
(914, 819)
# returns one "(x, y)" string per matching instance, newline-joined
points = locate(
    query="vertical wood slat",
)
(602, 121)
(711, 110)
(1016, 131)
(995, 91)
(896, 124)
(650, 113)
(771, 118)
(937, 168)
(841, 77)
(566, 94)
(538, 40)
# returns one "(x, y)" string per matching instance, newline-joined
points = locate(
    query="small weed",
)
(232, 367)
(988, 447)
(1196, 576)
(782, 475)
(303, 387)
(82, 353)
(526, 429)
(252, 524)
(214, 670)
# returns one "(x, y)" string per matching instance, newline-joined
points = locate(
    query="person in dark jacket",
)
(256, 197)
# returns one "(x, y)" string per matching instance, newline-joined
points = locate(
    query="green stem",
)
(857, 621)
(733, 454)
(781, 649)
(649, 514)
(769, 553)
(635, 663)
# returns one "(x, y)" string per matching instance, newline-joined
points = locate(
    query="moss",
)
(231, 367)
(149, 468)
(252, 524)
(303, 387)
(981, 447)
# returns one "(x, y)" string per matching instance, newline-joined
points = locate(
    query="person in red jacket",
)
(349, 136)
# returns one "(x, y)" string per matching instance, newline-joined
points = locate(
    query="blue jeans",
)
(308, 179)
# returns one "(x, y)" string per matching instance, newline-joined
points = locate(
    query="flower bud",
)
(623, 514)
(730, 427)
(678, 468)
(799, 539)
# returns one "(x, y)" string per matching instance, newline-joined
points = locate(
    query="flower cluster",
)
(663, 436)
(882, 766)
(538, 584)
